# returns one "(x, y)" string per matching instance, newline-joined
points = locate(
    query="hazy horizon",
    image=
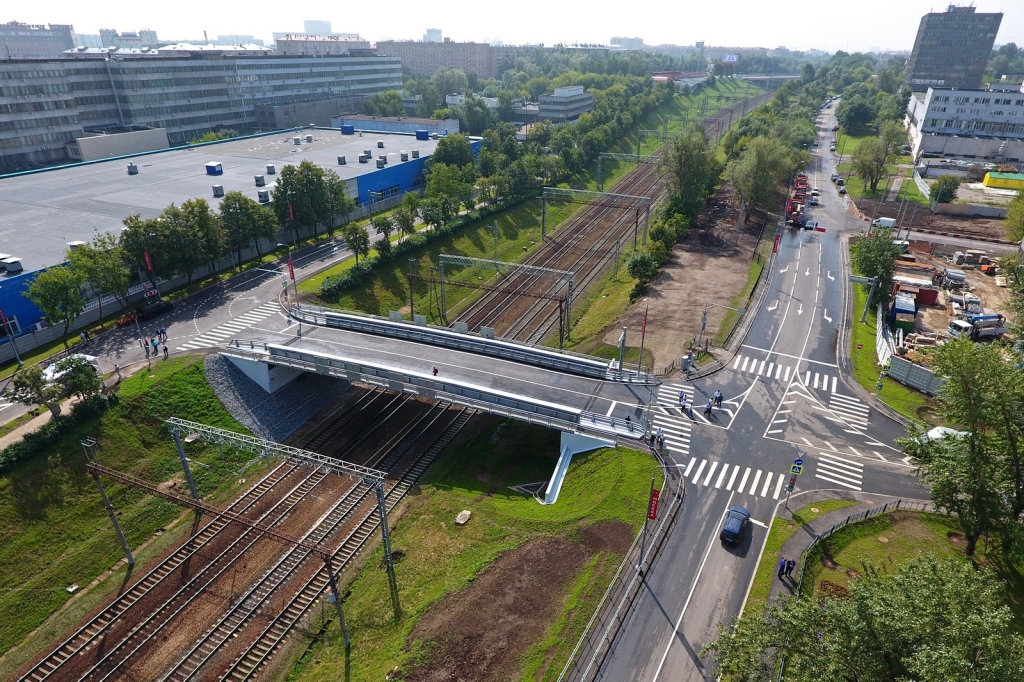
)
(879, 24)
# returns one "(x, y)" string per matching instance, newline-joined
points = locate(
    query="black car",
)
(736, 520)
(154, 309)
(835, 176)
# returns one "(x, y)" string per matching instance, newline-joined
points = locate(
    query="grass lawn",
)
(741, 299)
(440, 558)
(886, 541)
(53, 529)
(864, 363)
(781, 531)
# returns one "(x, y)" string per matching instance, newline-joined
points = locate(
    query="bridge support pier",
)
(570, 444)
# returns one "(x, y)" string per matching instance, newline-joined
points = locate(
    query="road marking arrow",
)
(807, 272)
(785, 269)
(827, 318)
(773, 306)
(829, 274)
(801, 310)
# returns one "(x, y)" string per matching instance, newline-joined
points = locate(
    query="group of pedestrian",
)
(786, 567)
(657, 438)
(686, 404)
(84, 336)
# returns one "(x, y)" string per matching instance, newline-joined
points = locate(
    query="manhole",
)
(815, 510)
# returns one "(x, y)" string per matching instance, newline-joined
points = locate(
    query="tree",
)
(71, 376)
(871, 161)
(874, 255)
(757, 173)
(299, 198)
(102, 263)
(692, 169)
(945, 188)
(338, 202)
(930, 620)
(383, 224)
(244, 220)
(642, 267)
(1015, 218)
(405, 215)
(357, 239)
(449, 82)
(57, 292)
(894, 136)
(387, 103)
(453, 150)
(430, 100)
(432, 212)
(447, 185)
(193, 234)
(147, 236)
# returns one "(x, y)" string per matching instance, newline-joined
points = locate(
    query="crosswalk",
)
(669, 418)
(223, 332)
(850, 410)
(734, 478)
(839, 471)
(823, 381)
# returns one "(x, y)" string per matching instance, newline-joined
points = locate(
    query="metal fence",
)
(902, 370)
(585, 661)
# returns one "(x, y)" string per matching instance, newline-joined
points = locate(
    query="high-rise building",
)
(27, 41)
(237, 39)
(311, 45)
(422, 59)
(433, 35)
(187, 90)
(317, 27)
(129, 39)
(952, 48)
(629, 43)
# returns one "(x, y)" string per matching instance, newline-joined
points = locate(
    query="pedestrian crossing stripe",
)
(782, 372)
(219, 334)
(706, 473)
(840, 471)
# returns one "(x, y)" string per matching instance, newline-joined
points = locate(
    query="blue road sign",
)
(798, 461)
(796, 469)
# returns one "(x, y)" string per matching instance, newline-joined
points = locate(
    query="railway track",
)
(586, 250)
(96, 627)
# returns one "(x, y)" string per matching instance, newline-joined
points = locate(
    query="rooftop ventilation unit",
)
(261, 181)
(218, 190)
(297, 140)
(415, 153)
(270, 169)
(380, 144)
(12, 264)
(380, 163)
(368, 152)
(404, 155)
(341, 161)
(309, 138)
(383, 158)
(75, 244)
(214, 168)
(363, 158)
(133, 169)
(263, 196)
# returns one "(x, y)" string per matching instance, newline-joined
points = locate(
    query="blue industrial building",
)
(43, 213)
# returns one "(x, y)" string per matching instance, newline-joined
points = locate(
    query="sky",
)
(830, 26)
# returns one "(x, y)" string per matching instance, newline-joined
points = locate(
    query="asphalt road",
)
(784, 397)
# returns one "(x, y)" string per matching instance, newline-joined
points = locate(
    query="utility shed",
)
(1004, 180)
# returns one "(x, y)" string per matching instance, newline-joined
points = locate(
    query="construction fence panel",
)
(915, 376)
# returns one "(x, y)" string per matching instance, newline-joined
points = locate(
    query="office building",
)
(433, 35)
(952, 48)
(971, 124)
(423, 59)
(397, 124)
(565, 104)
(316, 45)
(629, 43)
(316, 27)
(28, 41)
(186, 90)
(237, 40)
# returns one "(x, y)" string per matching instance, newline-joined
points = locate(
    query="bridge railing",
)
(521, 408)
(564, 361)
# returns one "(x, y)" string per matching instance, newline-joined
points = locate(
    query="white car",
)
(815, 192)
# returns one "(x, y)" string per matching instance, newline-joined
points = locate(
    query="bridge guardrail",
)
(565, 361)
(495, 402)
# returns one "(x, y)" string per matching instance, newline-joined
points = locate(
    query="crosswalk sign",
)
(796, 469)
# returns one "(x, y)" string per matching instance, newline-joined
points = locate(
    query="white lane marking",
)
(815, 380)
(737, 363)
(827, 318)
(771, 366)
(778, 487)
(786, 378)
(746, 361)
(838, 473)
(753, 484)
(809, 443)
(767, 484)
(696, 474)
(855, 451)
(761, 371)
(773, 306)
(611, 407)
(831, 480)
(711, 472)
(778, 370)
(743, 481)
(775, 431)
(834, 380)
(758, 523)
(732, 479)
(807, 379)
(835, 458)
(721, 476)
(689, 466)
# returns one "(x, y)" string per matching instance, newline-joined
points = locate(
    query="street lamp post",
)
(291, 275)
(704, 319)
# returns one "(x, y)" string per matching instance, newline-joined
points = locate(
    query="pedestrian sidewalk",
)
(794, 547)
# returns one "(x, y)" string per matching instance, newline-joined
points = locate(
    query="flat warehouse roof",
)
(41, 212)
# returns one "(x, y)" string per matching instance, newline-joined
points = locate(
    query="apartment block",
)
(952, 48)
(423, 59)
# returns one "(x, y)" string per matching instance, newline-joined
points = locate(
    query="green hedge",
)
(52, 431)
(335, 285)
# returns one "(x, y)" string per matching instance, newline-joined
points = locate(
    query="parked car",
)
(815, 191)
(840, 182)
(835, 128)
(154, 309)
(842, 190)
(736, 520)
(814, 201)
(835, 176)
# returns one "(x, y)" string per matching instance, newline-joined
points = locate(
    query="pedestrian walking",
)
(146, 347)
(117, 371)
(718, 398)
(88, 337)
(629, 422)
(153, 342)
(435, 371)
(166, 352)
(790, 565)
(81, 335)
(652, 440)
(163, 333)
(782, 567)
(707, 409)
(661, 443)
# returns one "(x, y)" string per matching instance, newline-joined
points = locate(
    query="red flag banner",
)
(652, 506)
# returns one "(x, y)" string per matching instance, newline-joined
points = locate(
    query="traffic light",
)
(792, 484)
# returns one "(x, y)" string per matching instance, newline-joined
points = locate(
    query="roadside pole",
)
(652, 514)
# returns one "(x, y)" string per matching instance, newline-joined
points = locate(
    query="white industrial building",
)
(565, 104)
(972, 124)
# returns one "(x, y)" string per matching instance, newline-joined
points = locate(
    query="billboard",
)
(731, 58)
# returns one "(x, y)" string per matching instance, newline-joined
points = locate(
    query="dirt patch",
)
(707, 266)
(827, 588)
(883, 539)
(851, 573)
(481, 632)
(956, 539)
(925, 220)
(828, 563)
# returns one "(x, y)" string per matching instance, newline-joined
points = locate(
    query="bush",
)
(55, 429)
(659, 252)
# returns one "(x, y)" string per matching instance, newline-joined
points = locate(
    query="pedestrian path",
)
(844, 472)
(734, 478)
(220, 334)
(818, 380)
